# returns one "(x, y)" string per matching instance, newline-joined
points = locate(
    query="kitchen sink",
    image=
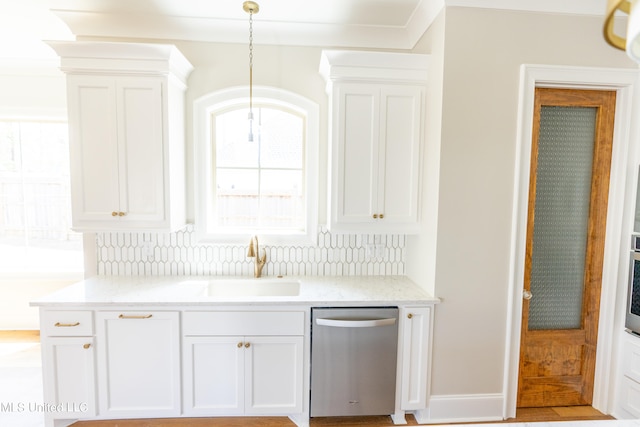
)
(251, 287)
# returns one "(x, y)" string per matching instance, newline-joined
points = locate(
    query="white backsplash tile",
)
(163, 254)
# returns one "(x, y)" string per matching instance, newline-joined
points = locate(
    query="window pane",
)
(563, 187)
(237, 199)
(232, 146)
(35, 203)
(281, 136)
(281, 199)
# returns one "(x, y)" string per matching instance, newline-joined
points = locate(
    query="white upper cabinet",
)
(377, 115)
(126, 123)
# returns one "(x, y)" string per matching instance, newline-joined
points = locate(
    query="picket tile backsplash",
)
(158, 254)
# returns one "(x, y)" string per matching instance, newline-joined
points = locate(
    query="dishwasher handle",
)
(355, 323)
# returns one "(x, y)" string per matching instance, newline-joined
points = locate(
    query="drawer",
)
(67, 323)
(243, 323)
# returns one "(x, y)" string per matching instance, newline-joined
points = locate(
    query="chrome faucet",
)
(254, 252)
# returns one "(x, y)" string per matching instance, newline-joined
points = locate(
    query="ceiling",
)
(382, 24)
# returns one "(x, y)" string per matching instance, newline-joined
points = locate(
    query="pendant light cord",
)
(251, 63)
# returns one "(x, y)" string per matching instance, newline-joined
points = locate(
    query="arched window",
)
(264, 184)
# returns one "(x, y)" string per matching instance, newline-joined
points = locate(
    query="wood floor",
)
(574, 413)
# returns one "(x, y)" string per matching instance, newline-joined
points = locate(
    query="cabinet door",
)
(141, 151)
(138, 363)
(213, 375)
(93, 148)
(416, 331)
(355, 153)
(273, 375)
(69, 376)
(375, 158)
(399, 154)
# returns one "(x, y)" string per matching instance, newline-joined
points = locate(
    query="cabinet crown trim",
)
(337, 65)
(133, 58)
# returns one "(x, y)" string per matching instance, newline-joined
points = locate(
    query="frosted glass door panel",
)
(563, 188)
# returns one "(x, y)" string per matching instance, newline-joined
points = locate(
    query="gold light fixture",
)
(251, 8)
(630, 43)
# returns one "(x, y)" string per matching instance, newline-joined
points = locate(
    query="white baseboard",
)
(462, 409)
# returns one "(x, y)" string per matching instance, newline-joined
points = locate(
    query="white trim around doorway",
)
(624, 171)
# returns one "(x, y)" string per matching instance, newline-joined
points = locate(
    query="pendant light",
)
(630, 43)
(250, 7)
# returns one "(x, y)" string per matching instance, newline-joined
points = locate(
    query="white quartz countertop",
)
(185, 290)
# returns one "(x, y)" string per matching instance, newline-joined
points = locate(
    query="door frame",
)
(624, 171)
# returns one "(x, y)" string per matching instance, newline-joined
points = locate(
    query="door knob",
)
(526, 294)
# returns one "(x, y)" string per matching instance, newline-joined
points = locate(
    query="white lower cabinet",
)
(182, 362)
(138, 363)
(414, 363)
(253, 375)
(68, 362)
(629, 385)
(256, 371)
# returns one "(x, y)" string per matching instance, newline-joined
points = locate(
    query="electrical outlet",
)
(147, 249)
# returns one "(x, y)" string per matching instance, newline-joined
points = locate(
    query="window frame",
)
(203, 111)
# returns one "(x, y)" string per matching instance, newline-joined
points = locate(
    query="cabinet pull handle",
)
(381, 216)
(122, 213)
(66, 325)
(86, 346)
(409, 316)
(247, 345)
(240, 345)
(375, 216)
(114, 213)
(124, 316)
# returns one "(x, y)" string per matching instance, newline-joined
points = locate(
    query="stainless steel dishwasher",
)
(353, 361)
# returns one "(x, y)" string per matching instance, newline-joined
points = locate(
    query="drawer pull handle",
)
(247, 345)
(124, 316)
(86, 346)
(66, 325)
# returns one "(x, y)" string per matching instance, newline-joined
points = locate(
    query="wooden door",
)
(569, 184)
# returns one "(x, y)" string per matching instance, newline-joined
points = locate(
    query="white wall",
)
(483, 52)
(38, 90)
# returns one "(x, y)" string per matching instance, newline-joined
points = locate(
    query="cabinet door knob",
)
(375, 216)
(114, 213)
(122, 213)
(247, 345)
(240, 345)
(409, 316)
(86, 346)
(381, 216)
